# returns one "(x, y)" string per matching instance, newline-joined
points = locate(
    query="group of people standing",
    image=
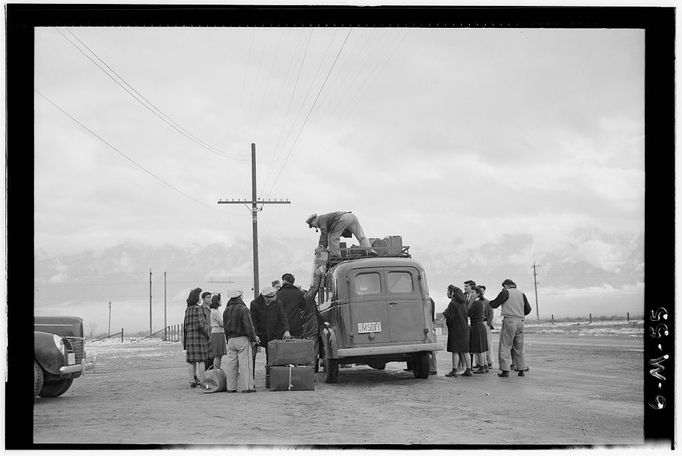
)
(469, 319)
(280, 311)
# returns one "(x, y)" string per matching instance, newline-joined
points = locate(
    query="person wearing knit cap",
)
(514, 307)
(269, 321)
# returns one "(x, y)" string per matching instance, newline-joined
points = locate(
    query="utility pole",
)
(109, 330)
(254, 215)
(150, 302)
(165, 325)
(535, 282)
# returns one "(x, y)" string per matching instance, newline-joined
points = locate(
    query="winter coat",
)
(458, 326)
(196, 335)
(293, 303)
(237, 320)
(269, 321)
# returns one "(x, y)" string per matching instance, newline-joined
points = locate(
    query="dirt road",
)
(580, 390)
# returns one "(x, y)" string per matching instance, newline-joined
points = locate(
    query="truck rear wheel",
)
(37, 378)
(420, 367)
(55, 389)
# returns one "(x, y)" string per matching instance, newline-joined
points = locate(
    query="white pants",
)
(511, 345)
(239, 364)
(350, 222)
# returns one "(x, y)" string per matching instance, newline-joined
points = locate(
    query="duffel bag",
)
(215, 380)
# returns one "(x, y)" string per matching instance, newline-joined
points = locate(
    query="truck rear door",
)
(405, 305)
(368, 306)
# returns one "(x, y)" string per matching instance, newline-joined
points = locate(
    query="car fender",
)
(329, 342)
(46, 352)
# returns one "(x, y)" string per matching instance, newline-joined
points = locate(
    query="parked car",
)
(59, 354)
(376, 310)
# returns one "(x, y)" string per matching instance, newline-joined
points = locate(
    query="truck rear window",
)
(400, 282)
(368, 283)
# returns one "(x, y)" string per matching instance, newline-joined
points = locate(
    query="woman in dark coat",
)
(458, 330)
(196, 334)
(479, 338)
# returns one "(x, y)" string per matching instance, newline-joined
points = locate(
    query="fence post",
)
(121, 335)
(590, 318)
(628, 317)
(552, 318)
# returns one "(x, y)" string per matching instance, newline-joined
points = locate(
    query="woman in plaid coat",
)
(196, 337)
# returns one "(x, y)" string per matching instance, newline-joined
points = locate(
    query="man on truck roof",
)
(334, 225)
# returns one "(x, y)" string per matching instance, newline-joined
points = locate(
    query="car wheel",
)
(37, 378)
(55, 389)
(331, 369)
(420, 368)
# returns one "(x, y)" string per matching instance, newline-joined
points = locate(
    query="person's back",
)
(292, 302)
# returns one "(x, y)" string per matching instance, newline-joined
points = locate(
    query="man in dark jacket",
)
(270, 322)
(293, 303)
(334, 225)
(241, 336)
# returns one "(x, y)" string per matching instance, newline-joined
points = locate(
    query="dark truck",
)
(59, 354)
(375, 309)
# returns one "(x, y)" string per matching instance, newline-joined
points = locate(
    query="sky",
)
(486, 149)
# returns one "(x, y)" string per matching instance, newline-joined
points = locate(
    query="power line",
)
(311, 108)
(124, 155)
(121, 82)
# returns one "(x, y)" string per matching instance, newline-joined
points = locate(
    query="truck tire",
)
(56, 389)
(37, 378)
(331, 369)
(420, 367)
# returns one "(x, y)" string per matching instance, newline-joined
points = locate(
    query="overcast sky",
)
(456, 139)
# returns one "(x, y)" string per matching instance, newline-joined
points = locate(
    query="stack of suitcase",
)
(291, 365)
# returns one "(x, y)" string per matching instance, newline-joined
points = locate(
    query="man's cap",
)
(234, 294)
(508, 282)
(269, 292)
(310, 219)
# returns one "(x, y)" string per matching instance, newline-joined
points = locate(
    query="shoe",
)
(192, 384)
(452, 373)
(481, 370)
(503, 374)
(249, 391)
(467, 373)
(522, 374)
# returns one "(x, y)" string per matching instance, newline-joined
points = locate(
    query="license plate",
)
(71, 357)
(369, 327)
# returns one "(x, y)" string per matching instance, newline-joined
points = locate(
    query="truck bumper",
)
(389, 349)
(79, 368)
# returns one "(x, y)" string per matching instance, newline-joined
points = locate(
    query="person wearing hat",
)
(269, 321)
(241, 336)
(514, 307)
(334, 225)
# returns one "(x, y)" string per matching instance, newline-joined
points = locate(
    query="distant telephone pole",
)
(535, 282)
(150, 302)
(109, 330)
(165, 325)
(254, 215)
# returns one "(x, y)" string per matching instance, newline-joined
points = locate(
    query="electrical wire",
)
(124, 155)
(121, 82)
(312, 108)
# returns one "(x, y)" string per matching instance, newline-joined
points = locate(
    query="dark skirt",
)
(218, 344)
(479, 338)
(458, 338)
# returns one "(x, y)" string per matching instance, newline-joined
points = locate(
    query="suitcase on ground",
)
(292, 378)
(291, 351)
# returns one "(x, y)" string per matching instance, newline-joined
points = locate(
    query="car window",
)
(400, 282)
(368, 283)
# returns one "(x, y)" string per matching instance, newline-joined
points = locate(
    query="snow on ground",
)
(632, 328)
(147, 348)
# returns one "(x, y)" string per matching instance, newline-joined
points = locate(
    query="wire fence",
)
(171, 333)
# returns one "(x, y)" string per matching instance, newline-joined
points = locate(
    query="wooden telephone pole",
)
(254, 215)
(535, 282)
